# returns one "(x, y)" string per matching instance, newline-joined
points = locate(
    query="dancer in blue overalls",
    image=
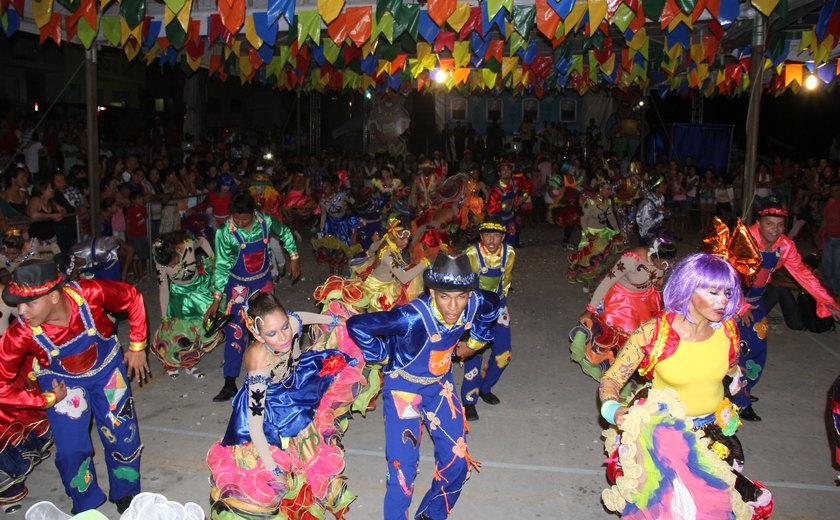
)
(417, 341)
(492, 260)
(79, 361)
(243, 265)
(504, 200)
(777, 250)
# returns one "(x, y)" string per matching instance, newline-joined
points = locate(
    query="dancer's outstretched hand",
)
(294, 270)
(138, 366)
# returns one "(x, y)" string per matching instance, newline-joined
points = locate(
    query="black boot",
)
(748, 414)
(227, 392)
(123, 503)
(489, 397)
(470, 412)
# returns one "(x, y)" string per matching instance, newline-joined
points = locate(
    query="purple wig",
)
(706, 271)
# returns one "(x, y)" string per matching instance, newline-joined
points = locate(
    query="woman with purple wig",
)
(677, 455)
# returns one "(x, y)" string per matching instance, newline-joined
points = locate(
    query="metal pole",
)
(297, 141)
(753, 117)
(92, 137)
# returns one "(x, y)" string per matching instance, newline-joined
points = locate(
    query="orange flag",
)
(358, 20)
(338, 29)
(547, 19)
(439, 10)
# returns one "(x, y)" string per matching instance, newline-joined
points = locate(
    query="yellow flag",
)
(573, 20)
(698, 52)
(369, 47)
(639, 39)
(461, 76)
(194, 64)
(609, 66)
(516, 77)
(489, 78)
(423, 50)
(251, 32)
(330, 9)
(597, 13)
(681, 17)
(508, 64)
(42, 12)
(805, 40)
(765, 6)
(461, 53)
(245, 68)
(131, 51)
(459, 16)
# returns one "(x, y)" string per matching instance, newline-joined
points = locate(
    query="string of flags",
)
(489, 47)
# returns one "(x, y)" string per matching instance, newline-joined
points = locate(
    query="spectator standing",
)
(32, 152)
(65, 229)
(17, 192)
(136, 221)
(829, 238)
(42, 206)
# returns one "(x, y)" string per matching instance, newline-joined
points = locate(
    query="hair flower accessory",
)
(737, 247)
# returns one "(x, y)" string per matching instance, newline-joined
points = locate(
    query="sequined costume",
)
(387, 278)
(100, 258)
(25, 436)
(649, 217)
(781, 254)
(504, 198)
(185, 295)
(600, 243)
(416, 345)
(303, 412)
(494, 275)
(243, 260)
(87, 356)
(659, 457)
(336, 245)
(628, 296)
(268, 201)
(562, 200)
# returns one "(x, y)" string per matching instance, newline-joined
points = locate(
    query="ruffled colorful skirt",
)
(599, 248)
(312, 460)
(182, 342)
(668, 465)
(24, 442)
(596, 343)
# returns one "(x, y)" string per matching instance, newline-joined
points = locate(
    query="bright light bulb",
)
(811, 82)
(440, 76)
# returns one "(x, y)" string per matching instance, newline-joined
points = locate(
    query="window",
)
(530, 109)
(494, 109)
(458, 109)
(568, 111)
(160, 105)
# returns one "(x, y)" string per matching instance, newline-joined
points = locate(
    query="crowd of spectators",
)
(149, 184)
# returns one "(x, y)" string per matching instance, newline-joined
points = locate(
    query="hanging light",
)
(811, 82)
(440, 76)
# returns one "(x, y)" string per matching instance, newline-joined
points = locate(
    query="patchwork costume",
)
(416, 346)
(494, 275)
(503, 200)
(781, 254)
(243, 266)
(87, 356)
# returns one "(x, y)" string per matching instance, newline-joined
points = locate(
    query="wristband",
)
(137, 346)
(217, 296)
(608, 410)
(294, 256)
(50, 398)
(164, 319)
(474, 344)
(334, 321)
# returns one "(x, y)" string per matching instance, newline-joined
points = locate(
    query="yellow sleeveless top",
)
(696, 371)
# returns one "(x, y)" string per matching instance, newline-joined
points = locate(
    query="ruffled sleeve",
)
(626, 363)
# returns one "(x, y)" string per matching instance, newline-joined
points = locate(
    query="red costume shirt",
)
(18, 344)
(135, 221)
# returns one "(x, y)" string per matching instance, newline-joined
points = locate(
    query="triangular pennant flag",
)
(266, 29)
(330, 9)
(459, 16)
(358, 20)
(428, 28)
(440, 10)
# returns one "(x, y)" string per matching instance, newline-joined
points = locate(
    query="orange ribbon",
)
(737, 247)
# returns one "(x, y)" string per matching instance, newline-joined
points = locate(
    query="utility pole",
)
(753, 117)
(92, 107)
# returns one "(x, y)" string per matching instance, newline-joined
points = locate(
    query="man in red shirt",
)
(80, 364)
(136, 219)
(829, 237)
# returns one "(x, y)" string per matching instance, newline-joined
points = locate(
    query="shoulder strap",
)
(429, 321)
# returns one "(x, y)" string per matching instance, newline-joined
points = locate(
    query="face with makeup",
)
(709, 304)
(275, 331)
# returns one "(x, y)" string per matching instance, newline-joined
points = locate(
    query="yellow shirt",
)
(696, 371)
(492, 261)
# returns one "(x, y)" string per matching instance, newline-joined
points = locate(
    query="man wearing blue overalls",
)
(243, 266)
(79, 361)
(777, 250)
(504, 200)
(492, 259)
(416, 342)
